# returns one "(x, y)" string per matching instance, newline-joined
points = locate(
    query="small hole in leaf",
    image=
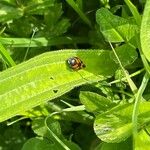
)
(55, 91)
(51, 78)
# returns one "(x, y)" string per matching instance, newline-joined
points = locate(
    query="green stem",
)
(79, 11)
(131, 75)
(55, 136)
(34, 31)
(123, 92)
(138, 98)
(134, 12)
(130, 82)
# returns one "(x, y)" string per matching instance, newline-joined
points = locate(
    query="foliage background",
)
(86, 114)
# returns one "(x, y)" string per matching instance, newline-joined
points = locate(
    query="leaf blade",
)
(47, 76)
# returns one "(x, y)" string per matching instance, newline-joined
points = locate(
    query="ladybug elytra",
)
(75, 63)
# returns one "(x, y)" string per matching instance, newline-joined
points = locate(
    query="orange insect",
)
(75, 63)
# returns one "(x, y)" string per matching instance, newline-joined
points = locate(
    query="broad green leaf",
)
(94, 102)
(145, 31)
(115, 28)
(127, 145)
(123, 52)
(115, 125)
(37, 144)
(12, 137)
(43, 144)
(8, 12)
(56, 25)
(52, 16)
(22, 27)
(50, 137)
(142, 141)
(39, 128)
(48, 76)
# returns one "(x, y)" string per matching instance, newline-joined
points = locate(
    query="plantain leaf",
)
(48, 76)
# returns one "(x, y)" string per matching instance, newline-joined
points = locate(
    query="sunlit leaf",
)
(115, 28)
(115, 125)
(48, 76)
(94, 102)
(142, 141)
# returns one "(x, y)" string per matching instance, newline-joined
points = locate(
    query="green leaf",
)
(52, 16)
(115, 28)
(11, 2)
(38, 7)
(37, 144)
(51, 137)
(145, 31)
(42, 41)
(48, 76)
(134, 11)
(79, 11)
(8, 12)
(142, 141)
(115, 125)
(12, 137)
(56, 25)
(127, 145)
(6, 56)
(39, 128)
(21, 27)
(85, 137)
(123, 52)
(94, 102)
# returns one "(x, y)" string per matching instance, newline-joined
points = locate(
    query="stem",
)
(34, 31)
(134, 12)
(130, 82)
(123, 92)
(137, 103)
(54, 135)
(79, 11)
(131, 75)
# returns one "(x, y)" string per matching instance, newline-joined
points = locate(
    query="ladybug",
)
(75, 63)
